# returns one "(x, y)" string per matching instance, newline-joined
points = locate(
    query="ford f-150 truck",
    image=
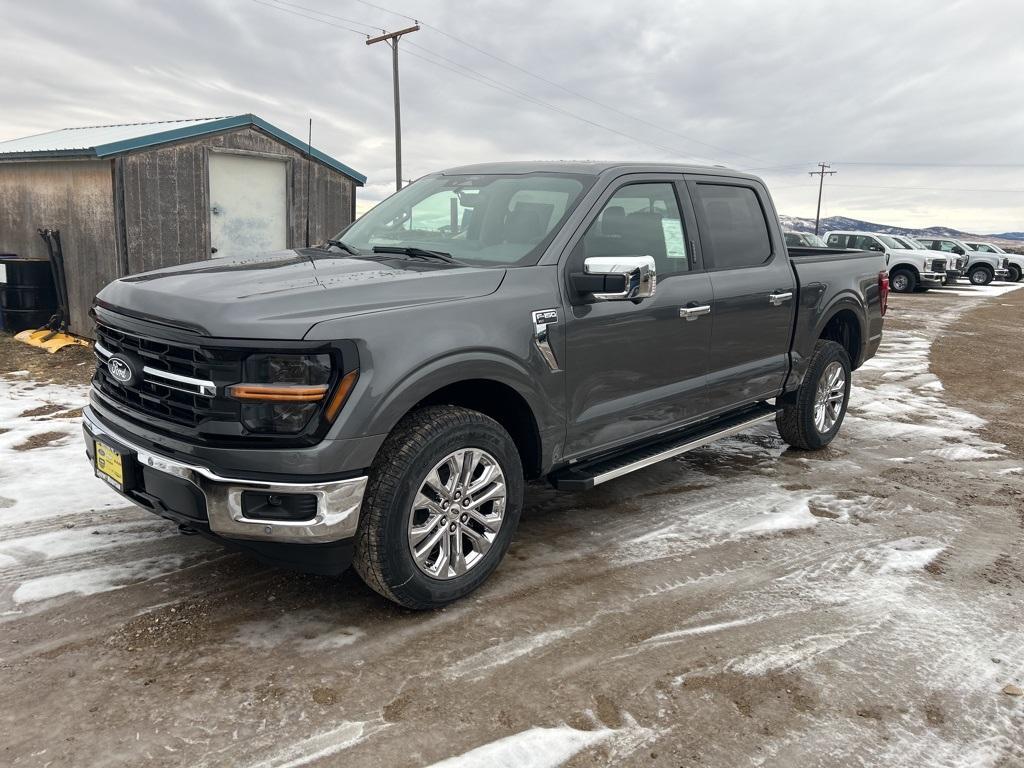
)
(382, 399)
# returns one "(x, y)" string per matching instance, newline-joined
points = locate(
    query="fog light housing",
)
(257, 505)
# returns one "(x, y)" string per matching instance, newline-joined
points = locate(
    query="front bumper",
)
(933, 277)
(196, 496)
(1002, 274)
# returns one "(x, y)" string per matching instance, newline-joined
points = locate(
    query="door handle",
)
(778, 298)
(693, 312)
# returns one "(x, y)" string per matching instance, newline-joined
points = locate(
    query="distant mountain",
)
(1005, 239)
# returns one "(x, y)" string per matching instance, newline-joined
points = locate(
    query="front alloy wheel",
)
(457, 513)
(443, 500)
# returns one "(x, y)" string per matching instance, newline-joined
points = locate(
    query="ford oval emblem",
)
(121, 369)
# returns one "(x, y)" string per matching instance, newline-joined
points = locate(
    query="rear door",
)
(754, 290)
(637, 368)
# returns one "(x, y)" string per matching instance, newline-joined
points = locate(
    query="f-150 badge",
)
(542, 318)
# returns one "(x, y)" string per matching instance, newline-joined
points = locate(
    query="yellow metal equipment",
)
(49, 340)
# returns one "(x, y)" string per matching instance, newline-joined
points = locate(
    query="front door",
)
(637, 368)
(248, 204)
(755, 292)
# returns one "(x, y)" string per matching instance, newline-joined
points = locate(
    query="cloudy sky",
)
(918, 105)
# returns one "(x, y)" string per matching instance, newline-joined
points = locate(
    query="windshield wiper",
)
(343, 246)
(416, 253)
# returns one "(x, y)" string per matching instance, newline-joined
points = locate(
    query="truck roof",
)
(589, 168)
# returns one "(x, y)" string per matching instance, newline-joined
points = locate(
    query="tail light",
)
(883, 290)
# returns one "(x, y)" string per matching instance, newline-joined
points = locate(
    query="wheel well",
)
(908, 268)
(984, 265)
(505, 406)
(844, 328)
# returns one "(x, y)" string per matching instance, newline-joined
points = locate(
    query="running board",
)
(581, 477)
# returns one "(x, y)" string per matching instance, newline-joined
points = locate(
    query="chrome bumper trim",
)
(338, 502)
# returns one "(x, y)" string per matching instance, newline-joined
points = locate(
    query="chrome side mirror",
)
(618, 278)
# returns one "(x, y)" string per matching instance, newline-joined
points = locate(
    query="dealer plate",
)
(110, 465)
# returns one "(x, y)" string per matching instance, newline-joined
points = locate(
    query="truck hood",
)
(282, 295)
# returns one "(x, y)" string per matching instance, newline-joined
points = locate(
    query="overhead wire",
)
(526, 71)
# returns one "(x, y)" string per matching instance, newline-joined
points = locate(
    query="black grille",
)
(168, 400)
(938, 265)
(1006, 263)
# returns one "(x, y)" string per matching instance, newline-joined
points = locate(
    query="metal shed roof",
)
(108, 140)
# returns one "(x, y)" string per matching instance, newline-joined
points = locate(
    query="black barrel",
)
(28, 298)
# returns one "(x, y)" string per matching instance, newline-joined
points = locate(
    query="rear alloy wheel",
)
(980, 276)
(813, 417)
(903, 281)
(443, 501)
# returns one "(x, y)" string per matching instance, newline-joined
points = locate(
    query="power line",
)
(543, 79)
(929, 189)
(491, 82)
(312, 18)
(471, 74)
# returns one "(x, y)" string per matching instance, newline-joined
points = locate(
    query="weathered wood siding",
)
(76, 197)
(166, 192)
(148, 209)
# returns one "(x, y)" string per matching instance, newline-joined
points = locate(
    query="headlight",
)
(280, 393)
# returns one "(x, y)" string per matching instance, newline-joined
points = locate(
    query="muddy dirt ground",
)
(743, 605)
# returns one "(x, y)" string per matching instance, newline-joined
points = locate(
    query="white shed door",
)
(248, 205)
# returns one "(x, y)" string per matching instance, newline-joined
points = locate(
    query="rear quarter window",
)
(736, 228)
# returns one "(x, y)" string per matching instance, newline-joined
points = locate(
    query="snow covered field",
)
(742, 605)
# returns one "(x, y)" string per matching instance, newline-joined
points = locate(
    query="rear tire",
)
(422, 447)
(903, 281)
(980, 276)
(801, 423)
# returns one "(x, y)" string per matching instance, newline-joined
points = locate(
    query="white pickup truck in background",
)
(909, 270)
(982, 267)
(1014, 261)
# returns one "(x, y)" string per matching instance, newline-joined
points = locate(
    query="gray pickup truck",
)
(383, 399)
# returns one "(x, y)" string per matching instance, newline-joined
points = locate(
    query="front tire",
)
(903, 281)
(814, 417)
(980, 276)
(443, 501)
(1015, 274)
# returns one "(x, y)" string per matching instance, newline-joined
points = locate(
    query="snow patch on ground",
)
(73, 541)
(534, 748)
(52, 480)
(961, 453)
(93, 580)
(305, 631)
(507, 652)
(321, 745)
(793, 517)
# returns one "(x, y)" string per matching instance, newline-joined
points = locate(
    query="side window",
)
(639, 220)
(946, 246)
(836, 241)
(737, 231)
(867, 243)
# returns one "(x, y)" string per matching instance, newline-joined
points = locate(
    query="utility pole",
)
(392, 38)
(823, 169)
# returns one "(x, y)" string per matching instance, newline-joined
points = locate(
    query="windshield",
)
(891, 243)
(483, 220)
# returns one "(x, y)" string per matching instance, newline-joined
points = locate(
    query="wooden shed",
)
(130, 198)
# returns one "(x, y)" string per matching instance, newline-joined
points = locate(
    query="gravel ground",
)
(742, 605)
